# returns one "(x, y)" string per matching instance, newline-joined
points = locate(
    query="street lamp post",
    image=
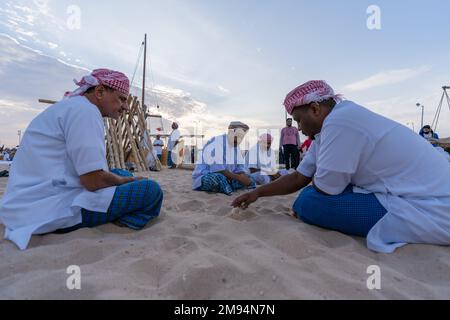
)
(420, 106)
(19, 133)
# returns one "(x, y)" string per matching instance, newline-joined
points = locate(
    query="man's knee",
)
(155, 188)
(305, 203)
(154, 193)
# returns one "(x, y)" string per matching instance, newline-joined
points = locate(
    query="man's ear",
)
(315, 107)
(99, 91)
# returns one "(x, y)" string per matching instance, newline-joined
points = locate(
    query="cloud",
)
(386, 77)
(32, 22)
(32, 76)
(222, 89)
(52, 45)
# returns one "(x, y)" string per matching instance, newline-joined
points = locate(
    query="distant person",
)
(174, 139)
(6, 156)
(151, 156)
(429, 134)
(261, 161)
(60, 181)
(290, 142)
(364, 175)
(222, 166)
(158, 145)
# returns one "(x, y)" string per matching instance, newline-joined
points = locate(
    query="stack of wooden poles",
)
(127, 140)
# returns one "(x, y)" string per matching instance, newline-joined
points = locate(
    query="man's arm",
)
(282, 186)
(100, 179)
(285, 185)
(242, 178)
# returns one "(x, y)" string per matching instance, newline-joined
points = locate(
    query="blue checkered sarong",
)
(134, 204)
(349, 212)
(217, 182)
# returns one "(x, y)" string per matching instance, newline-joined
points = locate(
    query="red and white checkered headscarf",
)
(311, 91)
(114, 79)
(265, 137)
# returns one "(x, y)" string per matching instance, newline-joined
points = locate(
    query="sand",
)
(201, 248)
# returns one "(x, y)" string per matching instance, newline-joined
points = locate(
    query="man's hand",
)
(275, 176)
(241, 177)
(100, 179)
(130, 179)
(245, 200)
(244, 179)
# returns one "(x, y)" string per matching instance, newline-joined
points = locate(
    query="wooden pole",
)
(47, 101)
(145, 66)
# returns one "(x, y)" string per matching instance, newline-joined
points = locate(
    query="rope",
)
(137, 64)
(438, 111)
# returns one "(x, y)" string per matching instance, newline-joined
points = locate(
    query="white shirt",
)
(44, 193)
(260, 158)
(380, 156)
(158, 146)
(6, 156)
(174, 136)
(151, 159)
(218, 155)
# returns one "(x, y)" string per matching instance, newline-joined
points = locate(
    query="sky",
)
(212, 62)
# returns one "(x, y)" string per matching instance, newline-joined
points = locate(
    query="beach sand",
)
(201, 248)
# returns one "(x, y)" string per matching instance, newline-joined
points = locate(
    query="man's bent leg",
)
(350, 213)
(122, 172)
(137, 203)
(216, 182)
(134, 204)
(236, 185)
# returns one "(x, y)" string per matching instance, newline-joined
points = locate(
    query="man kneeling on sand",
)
(60, 181)
(222, 166)
(367, 172)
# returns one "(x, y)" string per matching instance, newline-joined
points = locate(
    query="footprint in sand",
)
(266, 211)
(241, 215)
(191, 205)
(222, 211)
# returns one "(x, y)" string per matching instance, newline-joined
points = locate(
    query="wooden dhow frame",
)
(127, 139)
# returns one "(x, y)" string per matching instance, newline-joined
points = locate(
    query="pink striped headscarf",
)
(114, 79)
(311, 91)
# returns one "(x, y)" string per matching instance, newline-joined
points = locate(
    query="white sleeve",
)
(341, 150)
(251, 158)
(307, 166)
(85, 140)
(176, 135)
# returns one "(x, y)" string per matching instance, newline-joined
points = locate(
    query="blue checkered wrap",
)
(217, 182)
(350, 213)
(134, 204)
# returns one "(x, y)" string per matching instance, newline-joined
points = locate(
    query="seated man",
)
(158, 145)
(261, 161)
(429, 134)
(367, 173)
(59, 180)
(222, 166)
